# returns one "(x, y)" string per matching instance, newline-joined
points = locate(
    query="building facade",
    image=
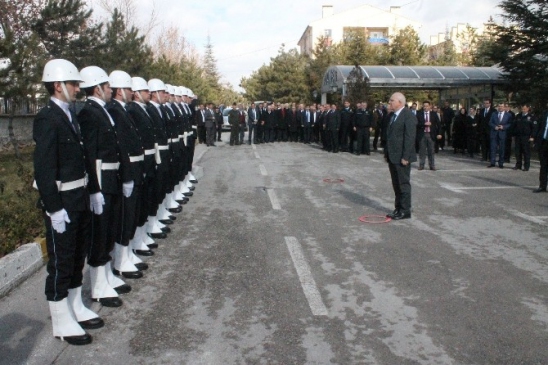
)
(377, 24)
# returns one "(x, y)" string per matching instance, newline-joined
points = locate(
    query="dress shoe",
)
(128, 274)
(145, 253)
(152, 245)
(433, 169)
(219, 140)
(490, 166)
(172, 217)
(192, 188)
(516, 168)
(180, 201)
(539, 190)
(501, 167)
(92, 324)
(189, 193)
(142, 266)
(401, 215)
(123, 289)
(166, 229)
(165, 221)
(85, 339)
(393, 214)
(112, 302)
(525, 169)
(157, 235)
(175, 210)
(421, 168)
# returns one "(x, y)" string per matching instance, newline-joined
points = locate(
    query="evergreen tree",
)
(123, 49)
(522, 48)
(444, 55)
(210, 72)
(406, 48)
(357, 87)
(65, 30)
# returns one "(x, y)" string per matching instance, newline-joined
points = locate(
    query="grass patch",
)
(20, 220)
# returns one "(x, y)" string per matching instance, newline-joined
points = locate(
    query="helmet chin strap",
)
(124, 95)
(65, 92)
(158, 97)
(140, 97)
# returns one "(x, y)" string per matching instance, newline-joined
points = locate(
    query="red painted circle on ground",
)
(374, 219)
(335, 181)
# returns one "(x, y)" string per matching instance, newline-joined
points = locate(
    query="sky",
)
(245, 34)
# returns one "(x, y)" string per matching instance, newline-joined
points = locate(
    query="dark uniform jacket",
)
(146, 130)
(129, 141)
(347, 117)
(59, 156)
(363, 119)
(523, 125)
(333, 120)
(100, 143)
(159, 124)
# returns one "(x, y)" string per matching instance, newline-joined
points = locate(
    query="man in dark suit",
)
(523, 134)
(333, 123)
(200, 123)
(400, 153)
(270, 120)
(540, 134)
(307, 123)
(103, 153)
(500, 122)
(362, 128)
(347, 122)
(428, 131)
(60, 171)
(210, 125)
(253, 119)
(484, 130)
(378, 118)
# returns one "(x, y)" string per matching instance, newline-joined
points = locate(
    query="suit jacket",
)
(539, 126)
(400, 138)
(200, 118)
(484, 119)
(129, 141)
(209, 118)
(506, 122)
(100, 143)
(435, 128)
(253, 115)
(333, 120)
(307, 122)
(270, 119)
(59, 156)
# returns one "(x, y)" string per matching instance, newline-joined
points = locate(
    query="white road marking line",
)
(530, 218)
(199, 157)
(254, 146)
(274, 199)
(308, 284)
(257, 155)
(263, 170)
(461, 189)
(465, 170)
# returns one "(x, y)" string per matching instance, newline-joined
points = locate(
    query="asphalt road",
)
(269, 264)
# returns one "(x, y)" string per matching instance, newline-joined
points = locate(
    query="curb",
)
(17, 266)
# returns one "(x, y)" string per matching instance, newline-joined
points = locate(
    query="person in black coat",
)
(60, 171)
(523, 134)
(333, 124)
(459, 131)
(219, 121)
(362, 128)
(400, 153)
(484, 129)
(471, 131)
(540, 136)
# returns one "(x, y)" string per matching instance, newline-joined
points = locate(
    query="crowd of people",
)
(111, 179)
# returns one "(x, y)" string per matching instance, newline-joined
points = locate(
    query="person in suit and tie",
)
(333, 124)
(253, 119)
(209, 124)
(499, 124)
(540, 135)
(428, 131)
(307, 123)
(400, 153)
(60, 172)
(484, 132)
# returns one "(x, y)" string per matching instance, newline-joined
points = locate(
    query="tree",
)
(210, 73)
(444, 54)
(124, 49)
(406, 48)
(355, 49)
(65, 30)
(357, 87)
(522, 48)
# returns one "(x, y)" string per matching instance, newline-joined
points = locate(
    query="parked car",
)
(226, 125)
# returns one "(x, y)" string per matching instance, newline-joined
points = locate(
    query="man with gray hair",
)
(399, 153)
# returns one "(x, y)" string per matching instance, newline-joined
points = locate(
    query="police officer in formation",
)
(110, 181)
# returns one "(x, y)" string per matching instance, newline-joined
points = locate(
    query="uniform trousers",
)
(362, 137)
(523, 152)
(66, 255)
(104, 230)
(234, 130)
(333, 140)
(543, 157)
(130, 215)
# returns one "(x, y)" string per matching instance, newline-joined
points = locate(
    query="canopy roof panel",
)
(414, 77)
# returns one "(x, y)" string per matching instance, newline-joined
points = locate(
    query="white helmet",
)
(156, 85)
(170, 89)
(60, 70)
(184, 90)
(93, 76)
(191, 94)
(120, 79)
(138, 84)
(178, 91)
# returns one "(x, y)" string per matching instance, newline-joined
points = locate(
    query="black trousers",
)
(191, 144)
(293, 135)
(523, 152)
(485, 141)
(210, 135)
(401, 183)
(161, 180)
(259, 133)
(66, 255)
(376, 137)
(307, 134)
(234, 131)
(269, 135)
(362, 136)
(219, 131)
(201, 133)
(129, 215)
(543, 157)
(344, 134)
(333, 137)
(282, 135)
(104, 230)
(323, 138)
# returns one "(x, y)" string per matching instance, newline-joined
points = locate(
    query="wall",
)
(22, 129)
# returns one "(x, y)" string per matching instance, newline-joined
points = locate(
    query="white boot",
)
(137, 243)
(113, 280)
(123, 264)
(170, 203)
(64, 324)
(152, 227)
(162, 213)
(177, 195)
(100, 288)
(185, 189)
(80, 311)
(192, 178)
(147, 240)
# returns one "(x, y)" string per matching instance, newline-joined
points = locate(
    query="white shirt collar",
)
(63, 105)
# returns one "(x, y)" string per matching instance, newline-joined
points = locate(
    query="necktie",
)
(392, 119)
(500, 117)
(427, 129)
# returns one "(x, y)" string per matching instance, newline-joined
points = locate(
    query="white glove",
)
(59, 220)
(127, 188)
(97, 201)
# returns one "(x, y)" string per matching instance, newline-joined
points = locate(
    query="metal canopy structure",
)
(452, 83)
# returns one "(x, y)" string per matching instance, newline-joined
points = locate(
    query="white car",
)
(226, 125)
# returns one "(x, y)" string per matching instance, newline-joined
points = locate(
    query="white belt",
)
(110, 165)
(150, 152)
(163, 148)
(181, 136)
(194, 127)
(174, 140)
(71, 185)
(136, 158)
